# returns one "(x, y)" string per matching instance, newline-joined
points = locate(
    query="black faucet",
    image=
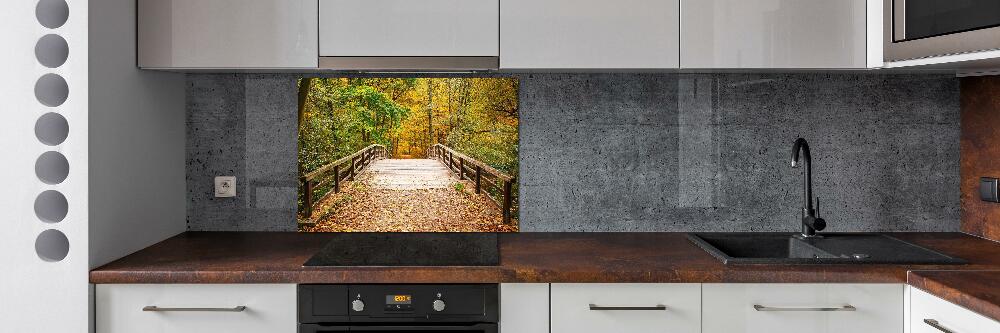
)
(811, 222)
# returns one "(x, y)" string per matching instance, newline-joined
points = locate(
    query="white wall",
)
(137, 135)
(137, 122)
(38, 295)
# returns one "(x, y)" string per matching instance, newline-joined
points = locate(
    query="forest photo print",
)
(408, 154)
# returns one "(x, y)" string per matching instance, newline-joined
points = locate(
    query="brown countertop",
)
(974, 290)
(267, 257)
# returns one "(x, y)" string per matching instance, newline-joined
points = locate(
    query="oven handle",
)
(485, 328)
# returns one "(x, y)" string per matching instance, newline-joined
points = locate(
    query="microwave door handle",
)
(898, 17)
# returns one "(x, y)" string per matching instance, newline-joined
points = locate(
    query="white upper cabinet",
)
(408, 28)
(227, 34)
(589, 34)
(778, 33)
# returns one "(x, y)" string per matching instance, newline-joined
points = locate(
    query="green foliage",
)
(341, 119)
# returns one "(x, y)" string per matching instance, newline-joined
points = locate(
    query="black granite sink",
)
(834, 248)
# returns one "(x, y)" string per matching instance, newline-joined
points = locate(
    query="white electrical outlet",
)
(225, 187)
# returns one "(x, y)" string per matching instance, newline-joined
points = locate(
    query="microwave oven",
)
(915, 29)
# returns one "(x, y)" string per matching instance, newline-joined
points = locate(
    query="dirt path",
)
(407, 195)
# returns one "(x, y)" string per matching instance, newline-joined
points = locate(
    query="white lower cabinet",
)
(930, 314)
(802, 308)
(625, 308)
(201, 308)
(524, 308)
(569, 308)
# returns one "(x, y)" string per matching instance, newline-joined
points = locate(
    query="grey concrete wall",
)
(244, 126)
(642, 152)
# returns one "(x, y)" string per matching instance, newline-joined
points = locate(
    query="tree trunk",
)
(430, 113)
(303, 97)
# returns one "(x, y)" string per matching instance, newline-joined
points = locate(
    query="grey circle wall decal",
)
(51, 206)
(52, 245)
(51, 51)
(52, 167)
(51, 90)
(52, 13)
(51, 129)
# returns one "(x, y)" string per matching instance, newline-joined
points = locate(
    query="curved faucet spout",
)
(807, 188)
(810, 222)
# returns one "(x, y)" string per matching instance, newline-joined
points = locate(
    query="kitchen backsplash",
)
(640, 152)
(980, 125)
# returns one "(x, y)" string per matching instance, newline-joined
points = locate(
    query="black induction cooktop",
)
(409, 249)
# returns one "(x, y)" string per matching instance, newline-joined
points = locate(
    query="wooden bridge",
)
(443, 169)
(480, 173)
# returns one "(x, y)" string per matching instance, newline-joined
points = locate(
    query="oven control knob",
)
(358, 305)
(438, 305)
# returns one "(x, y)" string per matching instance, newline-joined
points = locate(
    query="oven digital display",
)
(398, 299)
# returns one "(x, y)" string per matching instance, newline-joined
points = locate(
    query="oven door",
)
(916, 29)
(474, 328)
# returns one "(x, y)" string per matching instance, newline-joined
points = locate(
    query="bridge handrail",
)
(327, 167)
(317, 178)
(490, 170)
(503, 182)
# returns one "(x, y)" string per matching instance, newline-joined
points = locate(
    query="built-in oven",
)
(390, 308)
(928, 28)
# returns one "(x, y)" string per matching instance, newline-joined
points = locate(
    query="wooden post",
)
(507, 201)
(479, 179)
(336, 179)
(352, 168)
(461, 168)
(307, 196)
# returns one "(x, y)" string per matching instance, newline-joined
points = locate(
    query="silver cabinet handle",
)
(759, 307)
(935, 324)
(657, 307)
(154, 308)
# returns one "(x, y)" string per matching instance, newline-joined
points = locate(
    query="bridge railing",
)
(342, 169)
(484, 176)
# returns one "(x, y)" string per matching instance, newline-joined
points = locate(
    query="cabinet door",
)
(571, 34)
(773, 34)
(625, 308)
(802, 308)
(930, 314)
(227, 34)
(268, 308)
(524, 308)
(408, 28)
